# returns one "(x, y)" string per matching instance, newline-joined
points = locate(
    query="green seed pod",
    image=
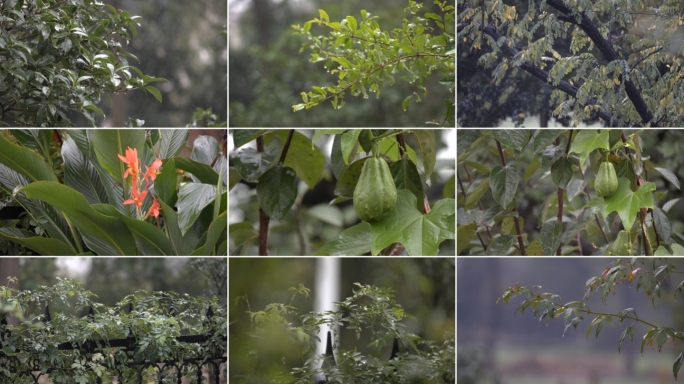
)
(606, 182)
(375, 194)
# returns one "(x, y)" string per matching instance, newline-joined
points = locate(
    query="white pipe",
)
(327, 291)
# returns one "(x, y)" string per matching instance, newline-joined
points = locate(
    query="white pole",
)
(327, 291)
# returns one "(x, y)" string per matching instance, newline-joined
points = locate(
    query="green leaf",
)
(669, 176)
(465, 234)
(244, 136)
(171, 142)
(662, 224)
(204, 149)
(320, 132)
(627, 203)
(150, 240)
(504, 184)
(551, 236)
(215, 234)
(204, 173)
(677, 365)
(155, 92)
(324, 15)
(544, 138)
(309, 164)
(426, 143)
(105, 235)
(419, 234)
(561, 172)
(351, 22)
(45, 246)
(500, 245)
(476, 191)
(353, 241)
(588, 140)
(241, 233)
(251, 164)
(80, 175)
(165, 183)
(183, 244)
(36, 139)
(622, 246)
(347, 181)
(109, 143)
(514, 138)
(405, 176)
(348, 143)
(327, 213)
(25, 162)
(192, 199)
(276, 191)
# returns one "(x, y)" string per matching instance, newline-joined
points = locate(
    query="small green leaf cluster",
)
(651, 275)
(364, 57)
(63, 56)
(400, 216)
(156, 319)
(372, 309)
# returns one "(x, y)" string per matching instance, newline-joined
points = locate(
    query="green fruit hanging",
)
(606, 182)
(375, 194)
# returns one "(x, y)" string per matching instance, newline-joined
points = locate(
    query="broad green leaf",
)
(80, 175)
(336, 158)
(192, 199)
(204, 173)
(155, 92)
(449, 189)
(309, 164)
(36, 139)
(150, 240)
(244, 136)
(428, 151)
(627, 203)
(347, 181)
(171, 142)
(621, 246)
(216, 234)
(327, 213)
(504, 184)
(464, 140)
(561, 172)
(233, 177)
(324, 15)
(183, 244)
(669, 176)
(465, 234)
(513, 138)
(84, 140)
(205, 149)
(25, 161)
(405, 176)
(534, 248)
(165, 183)
(677, 364)
(551, 236)
(276, 191)
(588, 140)
(45, 246)
(500, 245)
(109, 143)
(482, 168)
(242, 232)
(475, 192)
(419, 234)
(251, 164)
(351, 22)
(574, 188)
(662, 224)
(45, 215)
(320, 132)
(348, 143)
(390, 148)
(544, 138)
(550, 154)
(105, 235)
(353, 241)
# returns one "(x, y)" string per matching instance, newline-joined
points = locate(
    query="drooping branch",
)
(608, 53)
(544, 76)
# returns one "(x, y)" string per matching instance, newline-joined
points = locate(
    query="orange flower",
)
(131, 160)
(154, 209)
(151, 172)
(138, 197)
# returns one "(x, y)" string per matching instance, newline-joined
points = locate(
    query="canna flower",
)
(131, 160)
(138, 197)
(154, 209)
(151, 172)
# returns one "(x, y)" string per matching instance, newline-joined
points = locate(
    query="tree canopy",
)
(617, 61)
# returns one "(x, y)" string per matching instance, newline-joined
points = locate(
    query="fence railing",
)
(122, 351)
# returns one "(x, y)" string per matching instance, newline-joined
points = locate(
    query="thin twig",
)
(263, 217)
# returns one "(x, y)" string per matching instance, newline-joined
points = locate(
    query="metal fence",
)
(123, 351)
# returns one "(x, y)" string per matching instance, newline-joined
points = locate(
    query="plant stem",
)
(263, 217)
(285, 148)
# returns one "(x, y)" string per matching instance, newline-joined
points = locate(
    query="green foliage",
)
(151, 322)
(365, 58)
(619, 61)
(405, 222)
(281, 327)
(650, 274)
(62, 57)
(495, 225)
(88, 203)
